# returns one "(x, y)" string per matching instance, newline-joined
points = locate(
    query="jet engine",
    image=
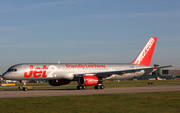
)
(89, 80)
(58, 82)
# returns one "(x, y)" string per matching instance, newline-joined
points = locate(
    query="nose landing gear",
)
(24, 86)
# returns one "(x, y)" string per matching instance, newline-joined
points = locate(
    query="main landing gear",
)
(99, 86)
(81, 87)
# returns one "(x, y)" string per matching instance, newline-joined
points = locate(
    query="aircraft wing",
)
(121, 72)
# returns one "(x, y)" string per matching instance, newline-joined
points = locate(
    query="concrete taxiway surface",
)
(65, 92)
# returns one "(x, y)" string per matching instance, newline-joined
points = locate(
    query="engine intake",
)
(89, 80)
(58, 82)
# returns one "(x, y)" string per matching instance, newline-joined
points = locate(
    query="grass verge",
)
(159, 102)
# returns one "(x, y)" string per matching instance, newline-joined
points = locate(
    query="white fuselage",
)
(67, 71)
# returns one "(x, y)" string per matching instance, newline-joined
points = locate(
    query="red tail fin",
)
(145, 56)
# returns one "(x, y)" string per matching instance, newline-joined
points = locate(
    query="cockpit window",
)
(12, 70)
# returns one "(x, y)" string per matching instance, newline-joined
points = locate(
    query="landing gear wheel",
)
(78, 87)
(100, 86)
(24, 89)
(81, 87)
(97, 87)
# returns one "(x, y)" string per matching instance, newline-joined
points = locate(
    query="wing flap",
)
(121, 72)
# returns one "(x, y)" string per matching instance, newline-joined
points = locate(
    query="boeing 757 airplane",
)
(86, 74)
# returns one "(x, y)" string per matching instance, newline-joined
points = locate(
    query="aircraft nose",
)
(5, 75)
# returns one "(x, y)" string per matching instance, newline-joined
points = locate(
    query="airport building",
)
(161, 74)
(173, 72)
(167, 72)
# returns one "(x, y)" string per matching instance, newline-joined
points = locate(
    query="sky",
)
(88, 31)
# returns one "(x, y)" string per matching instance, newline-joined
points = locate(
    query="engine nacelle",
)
(58, 82)
(89, 80)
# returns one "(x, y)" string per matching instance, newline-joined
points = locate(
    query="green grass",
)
(159, 102)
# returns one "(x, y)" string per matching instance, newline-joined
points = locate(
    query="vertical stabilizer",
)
(145, 56)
